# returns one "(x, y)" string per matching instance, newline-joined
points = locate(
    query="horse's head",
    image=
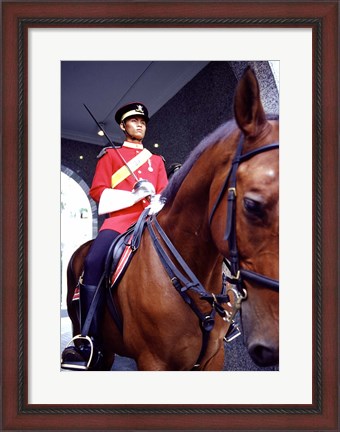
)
(214, 213)
(257, 228)
(257, 222)
(251, 238)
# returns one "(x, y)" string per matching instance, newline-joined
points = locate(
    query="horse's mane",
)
(214, 137)
(222, 131)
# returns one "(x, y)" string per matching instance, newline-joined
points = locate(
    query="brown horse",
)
(222, 204)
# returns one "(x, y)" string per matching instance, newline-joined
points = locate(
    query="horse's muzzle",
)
(264, 355)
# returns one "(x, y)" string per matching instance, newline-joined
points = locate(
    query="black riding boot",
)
(86, 354)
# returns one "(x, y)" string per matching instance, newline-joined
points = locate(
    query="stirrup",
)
(87, 338)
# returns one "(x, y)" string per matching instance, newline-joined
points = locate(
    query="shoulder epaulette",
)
(104, 151)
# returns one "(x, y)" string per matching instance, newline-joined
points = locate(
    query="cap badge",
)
(140, 109)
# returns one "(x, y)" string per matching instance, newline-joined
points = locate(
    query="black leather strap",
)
(184, 283)
(237, 273)
(87, 324)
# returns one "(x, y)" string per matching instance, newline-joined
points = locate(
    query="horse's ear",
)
(249, 112)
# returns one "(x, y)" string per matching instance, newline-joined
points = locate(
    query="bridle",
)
(237, 274)
(185, 281)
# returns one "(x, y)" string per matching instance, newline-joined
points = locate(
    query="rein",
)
(238, 275)
(184, 280)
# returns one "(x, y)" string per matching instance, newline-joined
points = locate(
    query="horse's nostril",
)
(263, 355)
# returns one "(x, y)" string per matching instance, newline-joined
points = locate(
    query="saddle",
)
(120, 255)
(118, 259)
(121, 251)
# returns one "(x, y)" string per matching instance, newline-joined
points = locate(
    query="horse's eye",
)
(253, 208)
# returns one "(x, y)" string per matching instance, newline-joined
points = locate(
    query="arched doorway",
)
(78, 224)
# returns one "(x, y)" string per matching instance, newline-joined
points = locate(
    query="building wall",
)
(199, 108)
(195, 111)
(80, 157)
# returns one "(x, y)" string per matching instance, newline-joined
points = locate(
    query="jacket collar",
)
(133, 145)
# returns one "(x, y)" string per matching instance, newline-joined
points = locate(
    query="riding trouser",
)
(94, 264)
(86, 354)
(94, 267)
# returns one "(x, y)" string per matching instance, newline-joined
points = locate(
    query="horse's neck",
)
(193, 241)
(185, 221)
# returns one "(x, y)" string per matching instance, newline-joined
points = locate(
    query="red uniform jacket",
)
(153, 171)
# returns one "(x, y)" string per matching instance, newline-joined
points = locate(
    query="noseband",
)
(237, 274)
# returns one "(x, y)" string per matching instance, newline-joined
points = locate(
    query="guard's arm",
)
(112, 200)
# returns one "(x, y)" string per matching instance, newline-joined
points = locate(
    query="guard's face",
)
(134, 127)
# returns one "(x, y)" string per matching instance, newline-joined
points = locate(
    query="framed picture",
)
(303, 38)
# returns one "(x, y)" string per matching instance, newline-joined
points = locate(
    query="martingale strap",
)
(184, 283)
(183, 280)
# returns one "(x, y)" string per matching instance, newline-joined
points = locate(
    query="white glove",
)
(156, 205)
(114, 199)
(142, 189)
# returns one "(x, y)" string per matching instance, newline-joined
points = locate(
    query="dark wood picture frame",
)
(322, 413)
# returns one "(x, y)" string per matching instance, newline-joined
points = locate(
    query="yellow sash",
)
(133, 164)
